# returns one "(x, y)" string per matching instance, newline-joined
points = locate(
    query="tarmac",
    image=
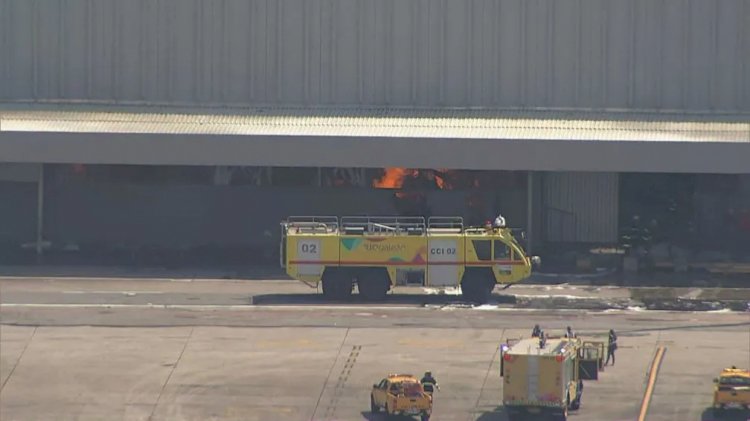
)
(194, 349)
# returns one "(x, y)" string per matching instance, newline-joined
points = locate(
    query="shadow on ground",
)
(392, 299)
(369, 416)
(728, 415)
(500, 414)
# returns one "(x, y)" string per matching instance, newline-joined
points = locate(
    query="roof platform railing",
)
(445, 224)
(313, 224)
(383, 225)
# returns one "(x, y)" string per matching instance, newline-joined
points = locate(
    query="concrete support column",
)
(40, 212)
(529, 212)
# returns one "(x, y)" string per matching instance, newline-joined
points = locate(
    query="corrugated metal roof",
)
(409, 123)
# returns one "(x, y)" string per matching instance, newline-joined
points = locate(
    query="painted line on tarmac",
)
(236, 307)
(653, 374)
(265, 307)
(89, 278)
(113, 292)
(200, 306)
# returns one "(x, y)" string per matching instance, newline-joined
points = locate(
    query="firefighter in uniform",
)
(569, 333)
(499, 222)
(611, 346)
(429, 384)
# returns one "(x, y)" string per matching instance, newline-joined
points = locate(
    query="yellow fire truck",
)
(541, 377)
(377, 253)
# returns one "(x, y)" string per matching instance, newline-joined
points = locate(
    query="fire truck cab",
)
(378, 253)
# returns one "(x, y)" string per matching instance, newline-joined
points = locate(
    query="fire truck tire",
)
(372, 285)
(344, 288)
(476, 288)
(373, 407)
(564, 415)
(513, 413)
(388, 414)
(337, 285)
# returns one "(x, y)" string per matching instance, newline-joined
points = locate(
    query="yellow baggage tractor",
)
(378, 253)
(400, 394)
(732, 389)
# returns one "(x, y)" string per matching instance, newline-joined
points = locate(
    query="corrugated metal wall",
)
(18, 206)
(17, 214)
(581, 207)
(671, 54)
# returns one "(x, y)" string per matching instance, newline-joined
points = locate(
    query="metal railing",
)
(409, 225)
(378, 225)
(312, 224)
(446, 223)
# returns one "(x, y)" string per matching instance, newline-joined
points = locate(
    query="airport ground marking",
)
(651, 385)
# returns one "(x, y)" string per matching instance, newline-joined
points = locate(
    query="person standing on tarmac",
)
(536, 332)
(611, 347)
(429, 384)
(569, 333)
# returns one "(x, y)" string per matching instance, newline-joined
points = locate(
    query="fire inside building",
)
(146, 133)
(229, 215)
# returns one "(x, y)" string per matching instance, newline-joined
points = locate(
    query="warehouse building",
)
(165, 130)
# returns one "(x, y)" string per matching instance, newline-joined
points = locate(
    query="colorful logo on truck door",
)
(384, 250)
(417, 259)
(373, 245)
(351, 243)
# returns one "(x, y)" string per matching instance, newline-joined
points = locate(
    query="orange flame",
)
(393, 178)
(440, 182)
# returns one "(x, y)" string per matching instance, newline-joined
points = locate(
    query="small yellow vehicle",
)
(400, 394)
(542, 378)
(732, 389)
(378, 253)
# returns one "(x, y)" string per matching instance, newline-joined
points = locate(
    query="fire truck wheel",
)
(476, 289)
(337, 286)
(372, 286)
(328, 288)
(388, 414)
(344, 288)
(373, 407)
(513, 413)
